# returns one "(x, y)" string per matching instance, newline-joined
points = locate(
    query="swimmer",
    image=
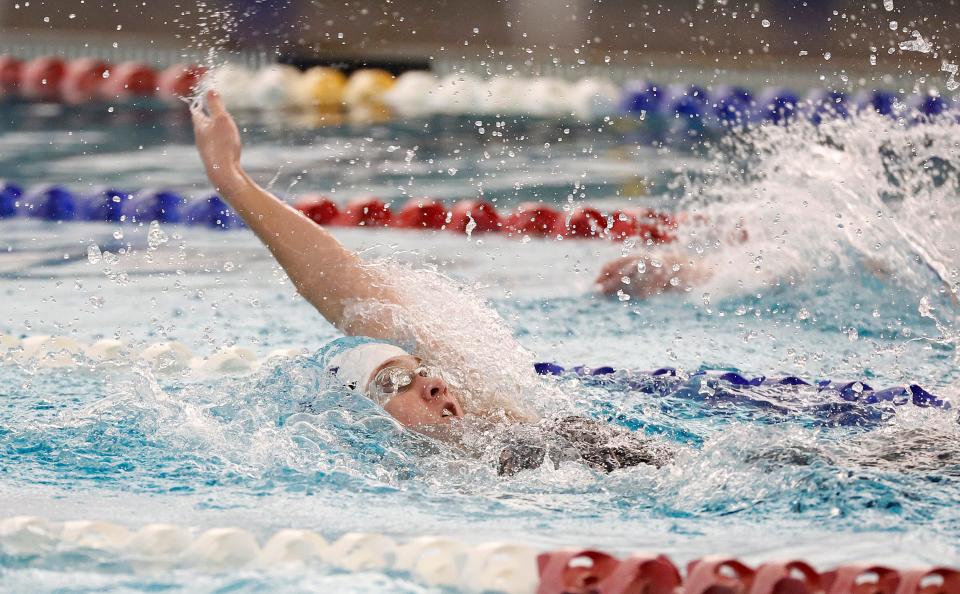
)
(408, 385)
(650, 274)
(665, 269)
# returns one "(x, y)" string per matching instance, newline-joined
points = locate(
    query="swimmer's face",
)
(426, 401)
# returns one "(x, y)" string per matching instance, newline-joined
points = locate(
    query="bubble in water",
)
(110, 258)
(765, 23)
(888, 5)
(853, 335)
(894, 25)
(803, 314)
(471, 225)
(94, 256)
(622, 296)
(118, 234)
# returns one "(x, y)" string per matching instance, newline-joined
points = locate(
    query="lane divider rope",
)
(508, 568)
(421, 93)
(529, 219)
(57, 352)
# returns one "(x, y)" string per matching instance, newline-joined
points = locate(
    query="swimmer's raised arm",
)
(325, 272)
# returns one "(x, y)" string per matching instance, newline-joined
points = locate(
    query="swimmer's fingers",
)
(196, 114)
(215, 104)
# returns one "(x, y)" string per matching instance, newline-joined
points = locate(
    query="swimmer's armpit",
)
(601, 446)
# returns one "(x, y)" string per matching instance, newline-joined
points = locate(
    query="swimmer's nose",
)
(433, 388)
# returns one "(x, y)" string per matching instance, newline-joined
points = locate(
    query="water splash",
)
(870, 196)
(450, 325)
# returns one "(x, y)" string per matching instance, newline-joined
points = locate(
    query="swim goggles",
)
(391, 381)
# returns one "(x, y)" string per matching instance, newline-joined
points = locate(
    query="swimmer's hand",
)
(646, 275)
(218, 140)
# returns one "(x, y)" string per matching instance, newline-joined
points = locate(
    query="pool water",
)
(845, 276)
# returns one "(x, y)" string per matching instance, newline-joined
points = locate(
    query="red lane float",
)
(179, 81)
(364, 212)
(593, 572)
(483, 214)
(90, 79)
(936, 580)
(421, 214)
(718, 576)
(130, 79)
(42, 78)
(624, 225)
(534, 218)
(584, 222)
(792, 577)
(321, 210)
(11, 71)
(530, 218)
(656, 226)
(861, 579)
(84, 79)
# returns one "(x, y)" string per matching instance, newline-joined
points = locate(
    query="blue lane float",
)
(849, 402)
(643, 98)
(733, 105)
(155, 205)
(690, 103)
(10, 194)
(823, 104)
(105, 205)
(212, 212)
(111, 205)
(49, 203)
(879, 101)
(777, 105)
(929, 105)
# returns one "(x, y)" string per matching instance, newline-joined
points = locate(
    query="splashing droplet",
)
(94, 255)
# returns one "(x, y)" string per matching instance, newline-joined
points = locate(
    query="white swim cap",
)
(354, 366)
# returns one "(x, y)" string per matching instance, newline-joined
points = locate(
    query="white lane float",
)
(297, 547)
(43, 351)
(95, 535)
(222, 548)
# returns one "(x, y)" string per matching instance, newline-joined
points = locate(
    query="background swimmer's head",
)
(426, 401)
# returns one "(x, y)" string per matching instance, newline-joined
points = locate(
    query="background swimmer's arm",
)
(651, 274)
(324, 271)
